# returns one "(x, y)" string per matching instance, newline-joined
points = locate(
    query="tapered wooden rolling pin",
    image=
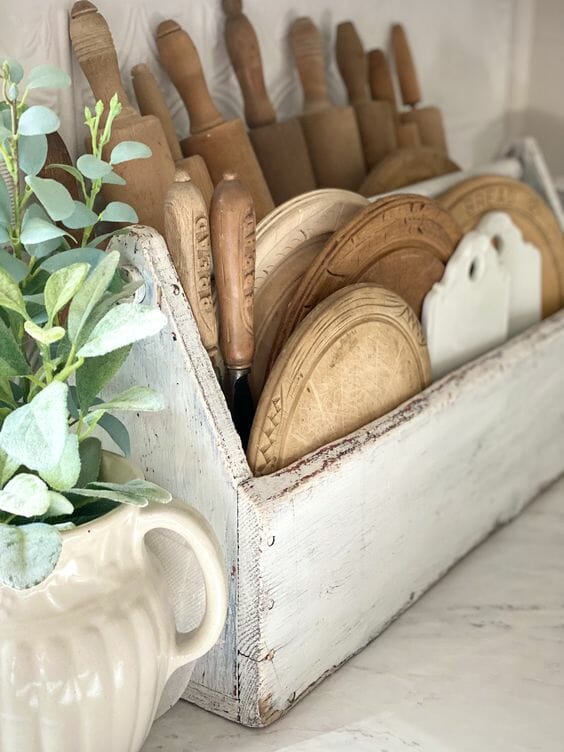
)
(147, 179)
(233, 224)
(331, 133)
(225, 146)
(152, 102)
(382, 89)
(187, 233)
(429, 119)
(375, 118)
(281, 148)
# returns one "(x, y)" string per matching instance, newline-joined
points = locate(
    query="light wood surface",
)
(151, 101)
(406, 166)
(405, 240)
(288, 241)
(360, 353)
(147, 179)
(471, 199)
(187, 233)
(196, 168)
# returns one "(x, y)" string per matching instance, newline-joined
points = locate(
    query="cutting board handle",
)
(95, 51)
(409, 84)
(232, 220)
(180, 59)
(244, 53)
(352, 62)
(307, 47)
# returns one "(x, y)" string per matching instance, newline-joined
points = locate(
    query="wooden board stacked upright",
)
(471, 199)
(400, 242)
(357, 356)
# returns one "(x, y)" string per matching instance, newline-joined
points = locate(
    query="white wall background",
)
(495, 67)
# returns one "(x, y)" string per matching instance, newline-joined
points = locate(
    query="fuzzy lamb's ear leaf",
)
(32, 153)
(137, 398)
(62, 286)
(12, 360)
(28, 554)
(7, 468)
(121, 326)
(25, 496)
(10, 295)
(65, 473)
(47, 77)
(47, 336)
(36, 120)
(111, 492)
(86, 255)
(35, 434)
(127, 150)
(53, 195)
(96, 373)
(89, 294)
(59, 506)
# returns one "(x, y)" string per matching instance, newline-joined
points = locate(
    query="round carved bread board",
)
(358, 355)
(404, 167)
(288, 240)
(471, 199)
(400, 242)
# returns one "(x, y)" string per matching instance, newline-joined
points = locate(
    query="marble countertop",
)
(475, 666)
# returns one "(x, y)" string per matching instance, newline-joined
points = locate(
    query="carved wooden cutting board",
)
(358, 355)
(469, 200)
(288, 240)
(467, 312)
(404, 167)
(400, 242)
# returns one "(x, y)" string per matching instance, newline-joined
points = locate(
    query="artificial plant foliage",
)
(66, 328)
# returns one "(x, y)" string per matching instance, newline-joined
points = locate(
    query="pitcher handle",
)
(188, 523)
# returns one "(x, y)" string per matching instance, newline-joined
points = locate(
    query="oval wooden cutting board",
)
(471, 199)
(404, 167)
(288, 240)
(357, 356)
(400, 242)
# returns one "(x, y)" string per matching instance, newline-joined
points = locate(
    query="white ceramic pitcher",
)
(84, 656)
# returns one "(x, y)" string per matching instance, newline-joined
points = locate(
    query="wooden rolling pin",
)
(147, 179)
(152, 102)
(331, 133)
(375, 118)
(281, 148)
(225, 146)
(429, 119)
(233, 225)
(187, 233)
(382, 89)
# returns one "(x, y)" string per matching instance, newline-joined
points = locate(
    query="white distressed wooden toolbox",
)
(323, 555)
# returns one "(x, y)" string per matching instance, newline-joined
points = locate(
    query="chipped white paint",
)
(467, 312)
(522, 261)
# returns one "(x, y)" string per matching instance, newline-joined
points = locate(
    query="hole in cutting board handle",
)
(497, 242)
(475, 269)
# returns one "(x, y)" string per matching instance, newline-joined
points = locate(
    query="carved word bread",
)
(471, 199)
(399, 242)
(288, 240)
(467, 312)
(357, 356)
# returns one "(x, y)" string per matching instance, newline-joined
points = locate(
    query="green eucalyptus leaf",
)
(90, 451)
(81, 217)
(5, 134)
(96, 373)
(53, 195)
(112, 178)
(92, 167)
(13, 266)
(4, 235)
(117, 211)
(36, 433)
(47, 77)
(8, 467)
(64, 474)
(46, 248)
(10, 294)
(25, 495)
(59, 506)
(67, 168)
(86, 255)
(128, 150)
(32, 152)
(5, 204)
(36, 120)
(62, 285)
(114, 233)
(37, 230)
(16, 71)
(12, 360)
(117, 432)
(28, 554)
(136, 398)
(89, 294)
(121, 326)
(44, 336)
